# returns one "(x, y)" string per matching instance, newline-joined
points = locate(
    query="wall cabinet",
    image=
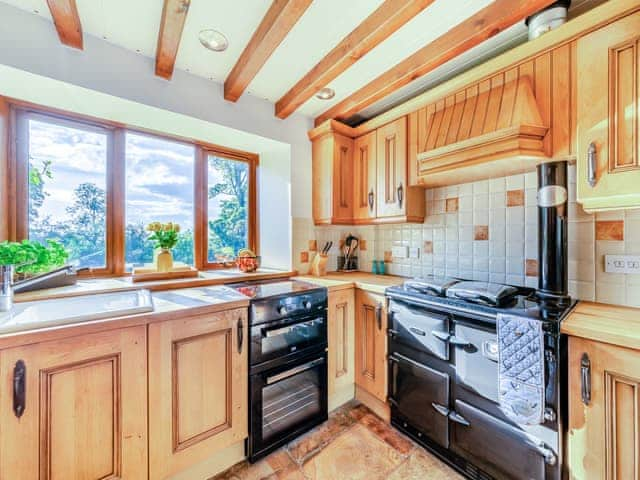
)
(603, 429)
(365, 176)
(608, 123)
(84, 410)
(341, 332)
(371, 344)
(363, 180)
(197, 389)
(332, 175)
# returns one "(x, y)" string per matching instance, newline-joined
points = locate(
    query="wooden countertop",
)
(120, 284)
(363, 280)
(168, 305)
(605, 323)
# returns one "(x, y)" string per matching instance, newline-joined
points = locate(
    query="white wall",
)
(29, 43)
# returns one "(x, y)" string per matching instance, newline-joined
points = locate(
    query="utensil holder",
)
(318, 267)
(347, 264)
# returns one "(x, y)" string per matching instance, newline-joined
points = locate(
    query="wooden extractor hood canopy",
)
(495, 132)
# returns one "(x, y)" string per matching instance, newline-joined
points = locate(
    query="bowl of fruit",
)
(247, 261)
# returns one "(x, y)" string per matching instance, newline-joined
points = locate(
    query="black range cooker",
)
(287, 362)
(443, 378)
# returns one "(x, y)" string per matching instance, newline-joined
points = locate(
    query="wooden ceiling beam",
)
(375, 29)
(174, 14)
(274, 27)
(67, 21)
(486, 23)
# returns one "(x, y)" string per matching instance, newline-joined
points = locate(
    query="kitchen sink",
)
(60, 311)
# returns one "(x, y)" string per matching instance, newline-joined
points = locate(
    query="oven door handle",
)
(295, 371)
(451, 339)
(274, 332)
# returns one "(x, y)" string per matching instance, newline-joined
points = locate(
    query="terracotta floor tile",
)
(310, 443)
(387, 433)
(421, 465)
(356, 454)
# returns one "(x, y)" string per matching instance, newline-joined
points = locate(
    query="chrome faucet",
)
(6, 288)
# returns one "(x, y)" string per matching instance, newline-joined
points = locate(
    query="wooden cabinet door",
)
(371, 344)
(604, 438)
(342, 179)
(391, 141)
(197, 389)
(608, 104)
(341, 332)
(322, 176)
(85, 414)
(365, 182)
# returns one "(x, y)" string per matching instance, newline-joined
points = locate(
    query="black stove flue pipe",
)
(552, 234)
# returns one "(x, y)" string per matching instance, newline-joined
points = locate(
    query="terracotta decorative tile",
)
(531, 267)
(363, 245)
(428, 247)
(313, 245)
(388, 257)
(421, 465)
(610, 230)
(515, 198)
(481, 232)
(357, 454)
(304, 257)
(452, 205)
(385, 432)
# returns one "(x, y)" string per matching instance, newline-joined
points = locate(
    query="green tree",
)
(228, 232)
(36, 186)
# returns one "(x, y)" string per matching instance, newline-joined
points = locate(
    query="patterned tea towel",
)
(521, 368)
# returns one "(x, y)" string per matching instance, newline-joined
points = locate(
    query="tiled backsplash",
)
(488, 230)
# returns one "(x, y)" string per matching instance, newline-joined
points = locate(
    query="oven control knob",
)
(307, 305)
(282, 310)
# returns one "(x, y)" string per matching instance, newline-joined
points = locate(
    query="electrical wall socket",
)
(400, 252)
(414, 252)
(622, 264)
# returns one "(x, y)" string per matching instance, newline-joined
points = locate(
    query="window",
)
(95, 187)
(66, 166)
(159, 188)
(228, 207)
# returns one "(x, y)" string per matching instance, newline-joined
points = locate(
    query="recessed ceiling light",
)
(213, 40)
(326, 93)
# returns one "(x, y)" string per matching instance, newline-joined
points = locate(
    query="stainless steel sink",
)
(61, 311)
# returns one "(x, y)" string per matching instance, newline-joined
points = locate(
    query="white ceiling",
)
(133, 24)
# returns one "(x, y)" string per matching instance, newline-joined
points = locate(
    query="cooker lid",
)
(494, 294)
(430, 285)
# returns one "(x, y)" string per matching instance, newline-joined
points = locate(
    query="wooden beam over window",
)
(274, 27)
(375, 29)
(67, 21)
(174, 14)
(488, 22)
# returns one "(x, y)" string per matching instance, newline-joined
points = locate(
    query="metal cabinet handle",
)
(440, 335)
(441, 409)
(585, 377)
(295, 371)
(19, 388)
(240, 334)
(379, 315)
(591, 164)
(549, 457)
(371, 199)
(400, 194)
(456, 417)
(457, 342)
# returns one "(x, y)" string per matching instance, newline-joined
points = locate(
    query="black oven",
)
(287, 362)
(286, 401)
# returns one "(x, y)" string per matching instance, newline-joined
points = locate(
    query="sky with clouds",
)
(159, 172)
